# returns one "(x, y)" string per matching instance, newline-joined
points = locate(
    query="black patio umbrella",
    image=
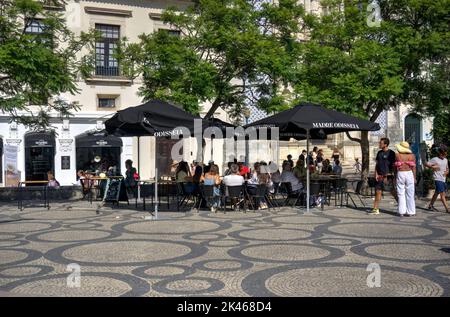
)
(307, 120)
(156, 118)
(97, 139)
(153, 118)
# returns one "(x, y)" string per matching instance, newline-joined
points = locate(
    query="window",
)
(172, 32)
(106, 64)
(106, 102)
(39, 32)
(34, 26)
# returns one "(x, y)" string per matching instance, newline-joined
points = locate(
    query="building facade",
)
(69, 146)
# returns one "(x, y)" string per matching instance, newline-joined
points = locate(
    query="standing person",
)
(439, 165)
(384, 168)
(336, 154)
(289, 159)
(131, 177)
(319, 161)
(303, 157)
(405, 164)
(357, 166)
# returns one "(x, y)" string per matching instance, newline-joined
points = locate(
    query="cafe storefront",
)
(97, 152)
(39, 155)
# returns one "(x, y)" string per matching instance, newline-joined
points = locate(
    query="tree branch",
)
(352, 138)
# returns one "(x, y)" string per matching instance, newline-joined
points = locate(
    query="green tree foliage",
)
(36, 68)
(359, 68)
(230, 52)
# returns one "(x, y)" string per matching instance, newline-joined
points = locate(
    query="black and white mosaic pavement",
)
(279, 253)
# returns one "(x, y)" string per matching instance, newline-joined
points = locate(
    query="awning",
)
(40, 139)
(97, 139)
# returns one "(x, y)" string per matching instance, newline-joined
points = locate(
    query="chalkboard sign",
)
(115, 190)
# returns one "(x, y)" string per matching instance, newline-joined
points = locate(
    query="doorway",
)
(39, 155)
(413, 133)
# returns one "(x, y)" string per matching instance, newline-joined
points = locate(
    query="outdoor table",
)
(22, 187)
(166, 188)
(327, 182)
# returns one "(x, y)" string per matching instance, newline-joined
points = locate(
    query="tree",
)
(230, 52)
(35, 68)
(362, 69)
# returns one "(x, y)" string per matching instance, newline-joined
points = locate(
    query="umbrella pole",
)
(307, 170)
(156, 193)
(139, 165)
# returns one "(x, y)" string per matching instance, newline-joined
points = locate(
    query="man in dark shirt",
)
(384, 170)
(289, 159)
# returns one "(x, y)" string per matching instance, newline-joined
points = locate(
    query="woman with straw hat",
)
(405, 164)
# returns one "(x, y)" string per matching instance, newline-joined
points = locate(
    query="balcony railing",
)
(107, 71)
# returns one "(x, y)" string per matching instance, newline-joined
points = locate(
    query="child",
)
(357, 166)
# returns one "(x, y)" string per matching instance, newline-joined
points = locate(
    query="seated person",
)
(337, 168)
(52, 182)
(212, 178)
(183, 175)
(326, 167)
(234, 179)
(300, 168)
(287, 176)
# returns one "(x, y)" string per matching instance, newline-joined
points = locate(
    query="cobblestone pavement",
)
(278, 253)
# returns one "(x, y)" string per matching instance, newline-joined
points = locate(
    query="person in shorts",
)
(384, 168)
(439, 165)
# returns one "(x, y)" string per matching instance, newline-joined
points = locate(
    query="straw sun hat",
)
(403, 148)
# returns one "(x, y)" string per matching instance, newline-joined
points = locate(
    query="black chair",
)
(316, 190)
(184, 196)
(256, 194)
(86, 189)
(286, 187)
(235, 194)
(207, 194)
(147, 191)
(356, 192)
(339, 189)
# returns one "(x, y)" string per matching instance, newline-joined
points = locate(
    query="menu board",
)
(115, 190)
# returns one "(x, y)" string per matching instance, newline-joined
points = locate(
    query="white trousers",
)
(405, 192)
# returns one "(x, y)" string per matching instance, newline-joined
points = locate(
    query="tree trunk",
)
(214, 107)
(365, 160)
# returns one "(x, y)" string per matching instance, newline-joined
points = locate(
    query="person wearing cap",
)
(439, 164)
(405, 170)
